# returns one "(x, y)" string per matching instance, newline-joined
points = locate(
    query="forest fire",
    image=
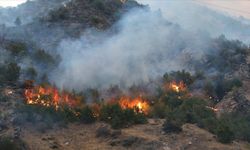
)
(177, 87)
(48, 96)
(138, 104)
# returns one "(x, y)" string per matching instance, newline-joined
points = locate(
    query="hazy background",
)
(233, 7)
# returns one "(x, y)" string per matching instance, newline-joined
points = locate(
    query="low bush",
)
(9, 72)
(119, 118)
(179, 76)
(87, 115)
(239, 124)
(43, 57)
(172, 126)
(159, 110)
(224, 133)
(17, 48)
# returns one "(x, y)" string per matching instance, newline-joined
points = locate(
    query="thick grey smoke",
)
(145, 46)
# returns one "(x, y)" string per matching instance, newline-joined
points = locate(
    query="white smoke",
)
(145, 46)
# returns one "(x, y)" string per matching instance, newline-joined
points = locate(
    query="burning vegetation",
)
(49, 96)
(138, 104)
(175, 103)
(177, 87)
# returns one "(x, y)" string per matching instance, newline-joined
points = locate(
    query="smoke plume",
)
(144, 46)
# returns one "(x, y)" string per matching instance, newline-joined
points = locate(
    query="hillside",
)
(113, 74)
(90, 13)
(40, 136)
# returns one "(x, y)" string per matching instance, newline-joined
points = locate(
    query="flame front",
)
(138, 104)
(49, 97)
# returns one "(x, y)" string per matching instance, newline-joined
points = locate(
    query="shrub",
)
(87, 115)
(172, 101)
(159, 110)
(17, 48)
(12, 72)
(172, 126)
(195, 110)
(191, 110)
(119, 118)
(48, 115)
(42, 56)
(224, 133)
(179, 76)
(66, 114)
(58, 14)
(96, 20)
(239, 124)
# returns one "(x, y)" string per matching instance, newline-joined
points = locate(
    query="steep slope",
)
(28, 11)
(68, 19)
(90, 13)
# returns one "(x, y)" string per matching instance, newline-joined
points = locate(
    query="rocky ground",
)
(238, 99)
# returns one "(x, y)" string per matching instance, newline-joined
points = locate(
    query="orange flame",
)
(50, 97)
(138, 104)
(177, 87)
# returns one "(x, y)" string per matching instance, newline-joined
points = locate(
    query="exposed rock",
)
(234, 101)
